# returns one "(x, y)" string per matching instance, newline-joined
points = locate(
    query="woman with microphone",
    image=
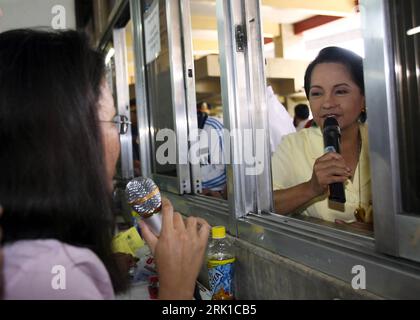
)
(59, 147)
(302, 172)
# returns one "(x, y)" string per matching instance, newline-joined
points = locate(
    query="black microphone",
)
(332, 138)
(144, 197)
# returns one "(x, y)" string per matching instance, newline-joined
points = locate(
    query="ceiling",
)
(295, 14)
(284, 11)
(276, 15)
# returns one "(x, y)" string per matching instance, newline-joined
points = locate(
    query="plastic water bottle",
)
(220, 262)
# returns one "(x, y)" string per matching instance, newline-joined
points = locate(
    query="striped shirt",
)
(212, 160)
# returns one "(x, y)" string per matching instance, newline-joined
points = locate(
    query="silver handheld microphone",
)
(144, 197)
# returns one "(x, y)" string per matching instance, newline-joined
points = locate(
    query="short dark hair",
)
(53, 179)
(200, 104)
(302, 111)
(352, 61)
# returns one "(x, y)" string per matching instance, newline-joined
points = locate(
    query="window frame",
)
(142, 109)
(248, 211)
(236, 68)
(316, 246)
(181, 184)
(123, 100)
(394, 229)
(189, 75)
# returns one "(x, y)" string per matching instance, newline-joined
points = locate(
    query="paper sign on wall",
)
(152, 32)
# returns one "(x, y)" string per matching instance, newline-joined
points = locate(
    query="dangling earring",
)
(363, 115)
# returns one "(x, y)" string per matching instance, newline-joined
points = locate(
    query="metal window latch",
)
(190, 73)
(240, 36)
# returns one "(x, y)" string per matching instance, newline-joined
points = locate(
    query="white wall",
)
(33, 13)
(345, 33)
(294, 45)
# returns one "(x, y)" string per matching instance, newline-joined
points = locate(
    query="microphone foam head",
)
(330, 121)
(143, 196)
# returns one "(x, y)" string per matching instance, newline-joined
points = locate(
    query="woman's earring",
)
(363, 115)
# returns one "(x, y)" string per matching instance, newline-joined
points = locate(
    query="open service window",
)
(297, 114)
(327, 246)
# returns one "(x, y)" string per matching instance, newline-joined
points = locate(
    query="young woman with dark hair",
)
(58, 151)
(302, 172)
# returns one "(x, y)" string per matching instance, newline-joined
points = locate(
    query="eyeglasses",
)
(121, 123)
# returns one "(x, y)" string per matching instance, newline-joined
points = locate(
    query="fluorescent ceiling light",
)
(109, 56)
(413, 31)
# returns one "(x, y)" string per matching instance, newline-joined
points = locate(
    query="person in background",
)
(301, 116)
(212, 165)
(203, 112)
(302, 172)
(59, 146)
(279, 120)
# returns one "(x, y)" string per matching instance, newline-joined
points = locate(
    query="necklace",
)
(360, 212)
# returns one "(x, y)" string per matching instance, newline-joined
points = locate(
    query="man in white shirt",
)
(280, 122)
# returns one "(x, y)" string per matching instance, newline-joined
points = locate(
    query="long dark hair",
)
(53, 181)
(352, 61)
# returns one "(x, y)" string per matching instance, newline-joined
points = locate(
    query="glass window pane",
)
(208, 95)
(133, 103)
(405, 16)
(159, 87)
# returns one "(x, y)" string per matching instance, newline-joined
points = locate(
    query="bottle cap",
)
(218, 232)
